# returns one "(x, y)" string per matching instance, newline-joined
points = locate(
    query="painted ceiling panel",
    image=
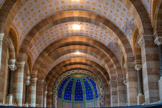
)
(65, 29)
(36, 10)
(1, 3)
(147, 4)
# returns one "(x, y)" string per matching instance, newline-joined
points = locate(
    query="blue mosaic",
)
(68, 90)
(78, 91)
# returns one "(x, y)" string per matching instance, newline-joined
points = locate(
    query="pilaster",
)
(150, 68)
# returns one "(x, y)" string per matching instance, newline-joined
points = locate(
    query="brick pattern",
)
(150, 68)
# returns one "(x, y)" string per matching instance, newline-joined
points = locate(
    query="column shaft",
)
(158, 41)
(19, 83)
(10, 82)
(139, 78)
(32, 92)
(160, 57)
(45, 99)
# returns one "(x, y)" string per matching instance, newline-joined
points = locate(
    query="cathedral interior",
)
(80, 53)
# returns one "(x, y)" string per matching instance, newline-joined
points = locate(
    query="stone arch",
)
(100, 19)
(77, 40)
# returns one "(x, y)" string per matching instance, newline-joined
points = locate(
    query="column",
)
(126, 96)
(49, 99)
(27, 90)
(19, 83)
(150, 68)
(158, 41)
(113, 93)
(32, 92)
(12, 68)
(121, 92)
(45, 99)
(40, 89)
(140, 97)
(1, 42)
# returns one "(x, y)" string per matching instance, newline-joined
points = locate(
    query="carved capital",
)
(46, 92)
(27, 80)
(138, 64)
(1, 37)
(125, 82)
(158, 41)
(12, 64)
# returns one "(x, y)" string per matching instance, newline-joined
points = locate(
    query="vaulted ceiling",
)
(49, 34)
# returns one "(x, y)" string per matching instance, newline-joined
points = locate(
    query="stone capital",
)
(1, 37)
(138, 64)
(46, 92)
(125, 82)
(27, 80)
(158, 41)
(12, 64)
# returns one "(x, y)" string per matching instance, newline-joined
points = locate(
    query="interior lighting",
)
(75, 1)
(77, 52)
(76, 27)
